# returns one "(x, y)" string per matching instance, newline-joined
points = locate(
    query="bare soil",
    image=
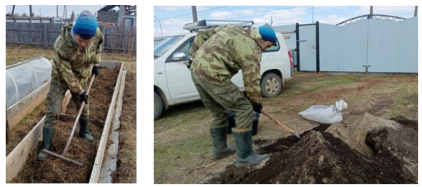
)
(56, 170)
(321, 158)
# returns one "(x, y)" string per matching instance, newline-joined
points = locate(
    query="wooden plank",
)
(19, 110)
(45, 36)
(96, 170)
(111, 156)
(18, 117)
(65, 102)
(17, 158)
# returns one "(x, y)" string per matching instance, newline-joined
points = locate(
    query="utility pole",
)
(371, 12)
(30, 11)
(312, 14)
(271, 20)
(416, 11)
(13, 11)
(122, 13)
(57, 10)
(160, 27)
(195, 17)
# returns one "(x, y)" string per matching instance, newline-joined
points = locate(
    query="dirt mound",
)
(321, 158)
(372, 135)
(354, 134)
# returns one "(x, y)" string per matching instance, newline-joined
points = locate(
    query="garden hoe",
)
(71, 134)
(280, 124)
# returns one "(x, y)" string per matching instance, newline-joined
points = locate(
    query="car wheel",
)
(158, 106)
(271, 85)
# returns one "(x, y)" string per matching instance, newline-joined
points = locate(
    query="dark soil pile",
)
(56, 170)
(321, 158)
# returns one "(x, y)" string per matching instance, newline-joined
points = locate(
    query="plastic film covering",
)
(25, 77)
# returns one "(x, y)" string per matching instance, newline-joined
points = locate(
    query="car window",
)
(165, 45)
(185, 47)
(273, 48)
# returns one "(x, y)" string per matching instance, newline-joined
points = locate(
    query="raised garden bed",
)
(21, 163)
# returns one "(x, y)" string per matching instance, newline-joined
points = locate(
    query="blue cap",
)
(267, 33)
(86, 24)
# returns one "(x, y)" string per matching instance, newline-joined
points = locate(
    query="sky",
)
(50, 10)
(172, 18)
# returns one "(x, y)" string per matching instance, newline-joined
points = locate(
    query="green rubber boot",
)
(47, 138)
(83, 130)
(245, 154)
(219, 142)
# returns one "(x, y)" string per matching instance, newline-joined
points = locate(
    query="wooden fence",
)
(45, 34)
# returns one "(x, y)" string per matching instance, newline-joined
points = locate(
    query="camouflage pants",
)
(222, 98)
(54, 99)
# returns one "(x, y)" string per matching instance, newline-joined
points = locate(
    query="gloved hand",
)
(188, 63)
(257, 107)
(95, 70)
(84, 97)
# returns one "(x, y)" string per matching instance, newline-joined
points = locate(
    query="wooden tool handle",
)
(278, 122)
(77, 118)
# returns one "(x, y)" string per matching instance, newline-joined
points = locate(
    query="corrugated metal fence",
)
(45, 34)
(381, 45)
(371, 45)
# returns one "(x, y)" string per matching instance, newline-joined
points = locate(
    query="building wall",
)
(107, 16)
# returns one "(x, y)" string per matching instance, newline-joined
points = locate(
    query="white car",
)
(172, 79)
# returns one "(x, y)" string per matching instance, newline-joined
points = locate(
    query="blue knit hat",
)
(86, 25)
(268, 34)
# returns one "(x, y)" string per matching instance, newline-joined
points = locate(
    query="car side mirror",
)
(179, 56)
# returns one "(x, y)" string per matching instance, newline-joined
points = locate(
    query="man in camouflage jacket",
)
(218, 54)
(78, 51)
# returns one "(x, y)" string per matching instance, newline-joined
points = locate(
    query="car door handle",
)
(160, 73)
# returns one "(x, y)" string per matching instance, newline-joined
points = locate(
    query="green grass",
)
(405, 100)
(318, 83)
(172, 156)
(181, 117)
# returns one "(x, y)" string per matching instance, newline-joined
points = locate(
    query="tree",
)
(24, 15)
(72, 16)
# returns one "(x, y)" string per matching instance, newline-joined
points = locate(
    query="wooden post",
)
(45, 36)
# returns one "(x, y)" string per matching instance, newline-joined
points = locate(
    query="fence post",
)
(103, 31)
(297, 48)
(317, 47)
(45, 35)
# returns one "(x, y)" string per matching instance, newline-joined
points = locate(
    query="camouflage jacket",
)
(72, 65)
(219, 53)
